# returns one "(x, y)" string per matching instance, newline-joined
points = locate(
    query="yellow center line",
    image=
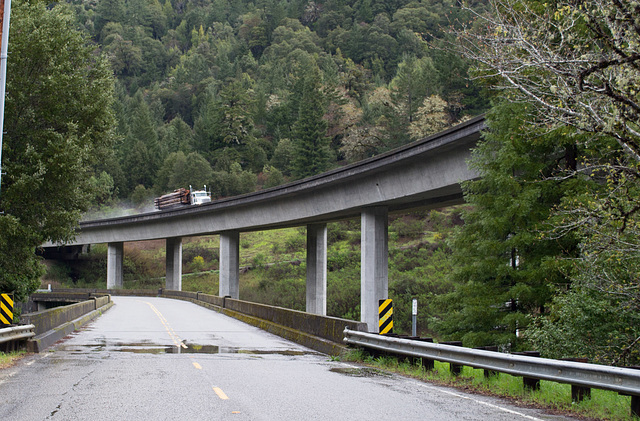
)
(220, 393)
(174, 336)
(178, 342)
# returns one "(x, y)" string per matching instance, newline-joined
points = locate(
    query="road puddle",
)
(192, 349)
(148, 348)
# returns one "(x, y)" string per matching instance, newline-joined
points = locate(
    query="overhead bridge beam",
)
(423, 174)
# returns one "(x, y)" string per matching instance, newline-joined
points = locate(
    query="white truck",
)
(182, 197)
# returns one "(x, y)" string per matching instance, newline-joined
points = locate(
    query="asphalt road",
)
(162, 359)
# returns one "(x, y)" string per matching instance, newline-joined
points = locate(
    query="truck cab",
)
(199, 197)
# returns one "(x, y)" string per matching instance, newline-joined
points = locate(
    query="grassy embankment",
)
(552, 397)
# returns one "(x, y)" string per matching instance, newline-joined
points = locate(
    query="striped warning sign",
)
(6, 309)
(385, 315)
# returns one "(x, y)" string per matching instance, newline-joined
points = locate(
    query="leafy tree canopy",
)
(58, 122)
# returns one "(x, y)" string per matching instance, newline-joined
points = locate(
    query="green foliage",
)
(58, 123)
(343, 290)
(20, 270)
(177, 136)
(272, 177)
(233, 182)
(197, 263)
(140, 155)
(141, 197)
(183, 171)
(506, 271)
(9, 358)
(407, 227)
(584, 323)
(598, 314)
(311, 153)
(212, 76)
(104, 188)
(206, 254)
(283, 156)
(282, 284)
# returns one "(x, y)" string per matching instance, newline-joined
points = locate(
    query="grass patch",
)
(554, 397)
(10, 358)
(205, 282)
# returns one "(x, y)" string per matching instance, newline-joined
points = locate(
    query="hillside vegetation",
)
(241, 95)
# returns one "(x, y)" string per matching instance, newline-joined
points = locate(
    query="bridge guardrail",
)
(55, 323)
(625, 381)
(15, 333)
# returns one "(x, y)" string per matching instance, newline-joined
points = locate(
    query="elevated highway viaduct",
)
(424, 174)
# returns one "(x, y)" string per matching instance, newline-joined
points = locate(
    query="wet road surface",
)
(161, 359)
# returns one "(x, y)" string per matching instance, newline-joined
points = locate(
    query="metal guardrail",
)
(16, 333)
(617, 379)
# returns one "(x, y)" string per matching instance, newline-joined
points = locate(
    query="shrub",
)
(408, 227)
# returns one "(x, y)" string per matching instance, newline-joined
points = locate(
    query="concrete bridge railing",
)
(318, 332)
(53, 324)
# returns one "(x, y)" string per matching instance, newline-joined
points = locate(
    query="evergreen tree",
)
(226, 119)
(141, 156)
(235, 112)
(177, 136)
(506, 270)
(311, 143)
(416, 80)
(108, 11)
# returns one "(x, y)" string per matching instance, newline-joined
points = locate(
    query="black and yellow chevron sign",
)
(385, 316)
(6, 309)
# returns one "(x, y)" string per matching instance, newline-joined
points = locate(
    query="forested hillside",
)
(245, 95)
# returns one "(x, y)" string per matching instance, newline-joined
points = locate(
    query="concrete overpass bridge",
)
(424, 174)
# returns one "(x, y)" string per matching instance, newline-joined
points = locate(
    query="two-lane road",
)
(161, 359)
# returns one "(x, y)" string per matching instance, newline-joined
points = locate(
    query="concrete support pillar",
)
(230, 264)
(317, 269)
(374, 264)
(115, 253)
(174, 264)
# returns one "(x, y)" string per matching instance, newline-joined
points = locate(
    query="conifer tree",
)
(506, 271)
(141, 154)
(310, 140)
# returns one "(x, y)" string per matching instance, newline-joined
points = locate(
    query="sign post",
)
(414, 317)
(5, 12)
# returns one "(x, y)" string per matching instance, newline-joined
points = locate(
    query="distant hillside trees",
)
(226, 81)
